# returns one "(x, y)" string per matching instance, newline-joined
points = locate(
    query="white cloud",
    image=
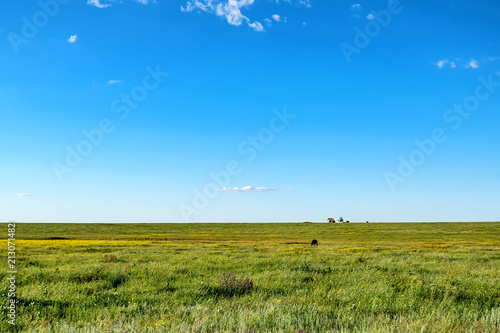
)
(72, 38)
(108, 3)
(370, 16)
(204, 5)
(289, 189)
(305, 3)
(356, 7)
(472, 64)
(278, 18)
(441, 63)
(111, 82)
(97, 3)
(246, 189)
(458, 62)
(256, 26)
(25, 195)
(231, 10)
(189, 7)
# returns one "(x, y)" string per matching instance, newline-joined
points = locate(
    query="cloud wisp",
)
(356, 7)
(111, 82)
(108, 3)
(230, 10)
(245, 189)
(473, 63)
(303, 3)
(441, 63)
(98, 4)
(24, 195)
(72, 39)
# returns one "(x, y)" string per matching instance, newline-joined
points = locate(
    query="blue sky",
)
(122, 111)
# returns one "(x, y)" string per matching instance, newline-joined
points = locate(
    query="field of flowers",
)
(376, 277)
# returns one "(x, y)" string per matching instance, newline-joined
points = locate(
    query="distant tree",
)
(341, 220)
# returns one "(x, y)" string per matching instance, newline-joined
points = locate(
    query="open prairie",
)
(376, 277)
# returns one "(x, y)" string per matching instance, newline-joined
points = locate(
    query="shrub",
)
(230, 285)
(229, 281)
(110, 258)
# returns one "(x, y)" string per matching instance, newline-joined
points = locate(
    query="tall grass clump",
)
(229, 285)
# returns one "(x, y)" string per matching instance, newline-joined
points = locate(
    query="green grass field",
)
(376, 277)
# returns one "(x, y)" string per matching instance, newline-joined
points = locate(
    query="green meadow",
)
(375, 277)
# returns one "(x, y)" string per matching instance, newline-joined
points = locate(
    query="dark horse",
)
(314, 242)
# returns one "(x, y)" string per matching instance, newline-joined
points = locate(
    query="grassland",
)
(377, 277)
